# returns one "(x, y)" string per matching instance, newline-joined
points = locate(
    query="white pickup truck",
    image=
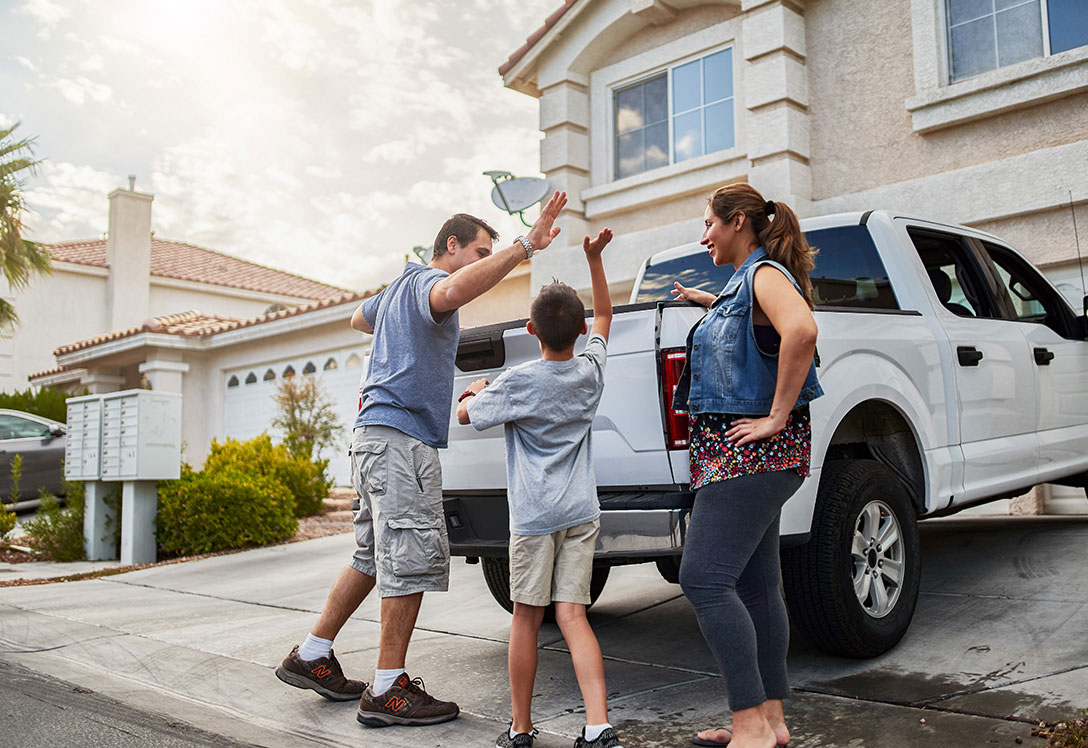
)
(954, 372)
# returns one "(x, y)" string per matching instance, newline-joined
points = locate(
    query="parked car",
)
(955, 374)
(40, 442)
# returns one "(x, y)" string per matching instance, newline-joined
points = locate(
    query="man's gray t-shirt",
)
(410, 382)
(547, 408)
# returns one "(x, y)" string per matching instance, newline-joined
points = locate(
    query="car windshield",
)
(848, 272)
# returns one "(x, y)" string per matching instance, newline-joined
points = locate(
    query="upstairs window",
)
(984, 35)
(682, 112)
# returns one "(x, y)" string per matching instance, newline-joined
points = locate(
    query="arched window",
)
(269, 375)
(331, 364)
(233, 381)
(352, 361)
(251, 378)
(289, 371)
(309, 368)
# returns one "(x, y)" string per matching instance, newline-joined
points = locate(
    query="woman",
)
(746, 387)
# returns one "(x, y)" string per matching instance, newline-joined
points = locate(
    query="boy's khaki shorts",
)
(553, 568)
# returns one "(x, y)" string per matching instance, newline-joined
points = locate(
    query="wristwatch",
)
(528, 246)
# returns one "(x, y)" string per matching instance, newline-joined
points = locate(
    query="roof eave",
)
(519, 73)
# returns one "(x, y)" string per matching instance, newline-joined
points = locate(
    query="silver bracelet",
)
(528, 246)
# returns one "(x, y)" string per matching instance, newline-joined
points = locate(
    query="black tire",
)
(819, 576)
(497, 576)
(669, 568)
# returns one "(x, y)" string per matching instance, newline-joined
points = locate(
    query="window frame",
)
(1044, 30)
(939, 102)
(646, 76)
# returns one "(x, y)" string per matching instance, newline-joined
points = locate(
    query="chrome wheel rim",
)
(877, 555)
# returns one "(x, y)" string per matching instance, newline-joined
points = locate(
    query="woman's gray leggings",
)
(730, 572)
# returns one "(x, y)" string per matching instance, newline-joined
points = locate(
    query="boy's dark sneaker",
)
(323, 675)
(520, 740)
(606, 739)
(405, 703)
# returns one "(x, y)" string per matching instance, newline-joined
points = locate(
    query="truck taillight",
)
(676, 421)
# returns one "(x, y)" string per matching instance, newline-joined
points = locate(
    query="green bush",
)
(57, 533)
(7, 521)
(305, 480)
(46, 402)
(224, 509)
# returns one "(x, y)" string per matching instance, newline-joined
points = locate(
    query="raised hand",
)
(542, 232)
(683, 293)
(594, 248)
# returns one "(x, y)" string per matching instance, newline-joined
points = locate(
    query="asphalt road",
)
(37, 710)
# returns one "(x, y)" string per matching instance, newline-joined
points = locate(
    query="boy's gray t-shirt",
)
(547, 408)
(409, 385)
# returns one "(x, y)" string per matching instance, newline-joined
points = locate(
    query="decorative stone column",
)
(163, 374)
(103, 380)
(564, 151)
(776, 98)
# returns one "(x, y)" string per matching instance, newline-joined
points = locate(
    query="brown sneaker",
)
(405, 703)
(323, 675)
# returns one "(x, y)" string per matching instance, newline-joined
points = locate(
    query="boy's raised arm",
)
(602, 300)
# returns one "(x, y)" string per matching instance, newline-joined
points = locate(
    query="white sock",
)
(594, 731)
(315, 648)
(384, 679)
(512, 733)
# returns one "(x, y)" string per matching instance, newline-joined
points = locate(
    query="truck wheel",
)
(497, 576)
(853, 587)
(669, 568)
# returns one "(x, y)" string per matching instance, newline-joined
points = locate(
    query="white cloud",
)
(69, 202)
(45, 12)
(80, 90)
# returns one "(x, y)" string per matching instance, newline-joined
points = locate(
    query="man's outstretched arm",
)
(458, 289)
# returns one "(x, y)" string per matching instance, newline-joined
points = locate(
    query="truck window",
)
(952, 273)
(848, 273)
(1028, 296)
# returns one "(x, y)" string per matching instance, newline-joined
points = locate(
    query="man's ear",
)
(452, 245)
(529, 327)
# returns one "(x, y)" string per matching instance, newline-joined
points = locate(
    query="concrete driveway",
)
(1000, 640)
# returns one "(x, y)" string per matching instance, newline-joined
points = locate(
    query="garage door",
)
(249, 404)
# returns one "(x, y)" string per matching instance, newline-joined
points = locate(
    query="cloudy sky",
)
(324, 137)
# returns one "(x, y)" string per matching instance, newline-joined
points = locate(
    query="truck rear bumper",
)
(633, 526)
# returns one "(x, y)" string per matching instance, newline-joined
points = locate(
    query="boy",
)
(547, 407)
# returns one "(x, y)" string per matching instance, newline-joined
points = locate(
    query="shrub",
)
(219, 510)
(306, 414)
(46, 402)
(305, 480)
(7, 521)
(55, 532)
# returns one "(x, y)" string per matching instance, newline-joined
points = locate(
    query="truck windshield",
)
(848, 272)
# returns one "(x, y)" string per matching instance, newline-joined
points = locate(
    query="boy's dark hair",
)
(558, 316)
(464, 227)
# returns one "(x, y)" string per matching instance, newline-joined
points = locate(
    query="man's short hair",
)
(464, 228)
(558, 316)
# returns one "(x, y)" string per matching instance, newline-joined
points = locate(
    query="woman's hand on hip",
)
(746, 430)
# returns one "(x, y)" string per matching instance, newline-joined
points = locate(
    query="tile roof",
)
(535, 37)
(195, 324)
(189, 262)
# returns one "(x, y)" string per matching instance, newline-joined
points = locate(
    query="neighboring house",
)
(968, 111)
(121, 313)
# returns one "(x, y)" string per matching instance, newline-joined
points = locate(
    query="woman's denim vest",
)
(726, 371)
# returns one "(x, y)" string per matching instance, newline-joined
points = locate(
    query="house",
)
(133, 311)
(969, 112)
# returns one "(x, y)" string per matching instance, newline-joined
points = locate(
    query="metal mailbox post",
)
(132, 437)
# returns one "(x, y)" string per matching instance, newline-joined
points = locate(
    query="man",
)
(399, 524)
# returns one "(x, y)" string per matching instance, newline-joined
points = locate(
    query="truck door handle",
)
(1043, 357)
(968, 355)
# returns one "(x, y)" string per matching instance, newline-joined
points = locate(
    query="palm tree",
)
(19, 257)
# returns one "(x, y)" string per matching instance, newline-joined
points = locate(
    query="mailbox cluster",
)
(122, 436)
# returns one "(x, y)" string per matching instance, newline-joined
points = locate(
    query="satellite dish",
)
(516, 194)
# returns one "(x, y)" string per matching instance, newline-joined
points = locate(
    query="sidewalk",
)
(999, 632)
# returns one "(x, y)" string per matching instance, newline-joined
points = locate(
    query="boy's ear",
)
(585, 328)
(529, 327)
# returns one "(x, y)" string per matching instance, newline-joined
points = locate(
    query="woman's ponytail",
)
(781, 236)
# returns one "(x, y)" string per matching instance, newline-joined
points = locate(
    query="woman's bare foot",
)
(772, 712)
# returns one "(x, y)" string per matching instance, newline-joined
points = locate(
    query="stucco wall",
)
(54, 311)
(170, 300)
(686, 22)
(509, 300)
(861, 72)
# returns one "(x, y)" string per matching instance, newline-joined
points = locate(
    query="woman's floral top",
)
(714, 458)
